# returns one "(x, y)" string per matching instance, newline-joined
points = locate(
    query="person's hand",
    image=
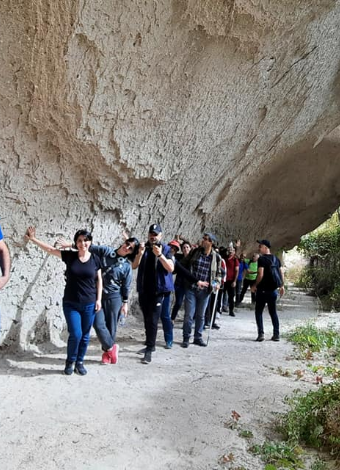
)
(233, 284)
(141, 249)
(157, 250)
(202, 284)
(30, 233)
(282, 291)
(253, 289)
(124, 309)
(98, 305)
(61, 242)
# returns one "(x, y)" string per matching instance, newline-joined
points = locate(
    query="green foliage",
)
(314, 419)
(279, 455)
(323, 275)
(310, 338)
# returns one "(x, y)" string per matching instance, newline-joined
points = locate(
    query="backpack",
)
(275, 273)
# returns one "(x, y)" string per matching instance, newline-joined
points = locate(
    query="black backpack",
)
(275, 273)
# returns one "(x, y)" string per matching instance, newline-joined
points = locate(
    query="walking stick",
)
(215, 291)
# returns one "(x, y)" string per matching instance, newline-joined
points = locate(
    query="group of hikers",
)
(207, 278)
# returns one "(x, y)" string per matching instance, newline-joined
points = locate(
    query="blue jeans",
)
(166, 320)
(179, 297)
(105, 321)
(269, 298)
(196, 301)
(79, 319)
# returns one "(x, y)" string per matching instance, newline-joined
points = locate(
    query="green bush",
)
(323, 275)
(314, 419)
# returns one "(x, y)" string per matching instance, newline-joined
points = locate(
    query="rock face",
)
(214, 115)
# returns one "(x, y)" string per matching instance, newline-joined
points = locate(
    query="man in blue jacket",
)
(154, 280)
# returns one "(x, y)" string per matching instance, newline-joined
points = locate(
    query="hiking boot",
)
(114, 354)
(200, 342)
(260, 338)
(143, 351)
(275, 338)
(147, 357)
(231, 314)
(80, 369)
(185, 343)
(168, 345)
(68, 368)
(106, 358)
(215, 326)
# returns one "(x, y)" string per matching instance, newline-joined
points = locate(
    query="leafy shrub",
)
(314, 419)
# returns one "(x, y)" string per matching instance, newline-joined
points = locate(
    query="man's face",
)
(262, 249)
(206, 242)
(154, 237)
(231, 252)
(173, 250)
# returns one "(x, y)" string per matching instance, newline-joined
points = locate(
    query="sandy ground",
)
(170, 414)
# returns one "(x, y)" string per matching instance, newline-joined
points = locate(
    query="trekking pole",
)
(215, 291)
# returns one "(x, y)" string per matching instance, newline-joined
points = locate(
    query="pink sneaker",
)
(106, 357)
(114, 354)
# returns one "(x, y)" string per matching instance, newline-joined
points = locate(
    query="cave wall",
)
(202, 115)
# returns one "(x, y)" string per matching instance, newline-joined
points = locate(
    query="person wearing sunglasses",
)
(117, 277)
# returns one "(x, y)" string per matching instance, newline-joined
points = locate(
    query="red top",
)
(232, 263)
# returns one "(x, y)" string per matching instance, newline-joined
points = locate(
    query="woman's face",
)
(186, 249)
(82, 243)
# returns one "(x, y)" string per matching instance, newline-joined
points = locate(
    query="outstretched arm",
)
(30, 236)
(5, 264)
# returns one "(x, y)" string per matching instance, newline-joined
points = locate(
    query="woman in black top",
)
(82, 295)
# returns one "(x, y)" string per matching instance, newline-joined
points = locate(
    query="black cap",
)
(155, 228)
(264, 242)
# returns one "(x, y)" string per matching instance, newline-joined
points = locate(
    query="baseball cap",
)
(264, 242)
(211, 236)
(155, 228)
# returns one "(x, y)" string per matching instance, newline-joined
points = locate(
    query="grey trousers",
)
(106, 320)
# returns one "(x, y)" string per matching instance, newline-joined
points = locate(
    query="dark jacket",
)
(163, 281)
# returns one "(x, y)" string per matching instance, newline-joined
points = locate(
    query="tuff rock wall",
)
(214, 114)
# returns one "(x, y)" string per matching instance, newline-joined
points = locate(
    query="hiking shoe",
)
(275, 338)
(143, 351)
(215, 326)
(106, 358)
(231, 314)
(114, 354)
(147, 357)
(260, 338)
(80, 369)
(200, 342)
(185, 343)
(168, 345)
(68, 368)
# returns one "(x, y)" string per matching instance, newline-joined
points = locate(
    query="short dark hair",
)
(83, 232)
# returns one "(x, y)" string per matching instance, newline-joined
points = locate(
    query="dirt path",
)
(170, 414)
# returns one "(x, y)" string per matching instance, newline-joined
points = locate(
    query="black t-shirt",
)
(81, 278)
(265, 262)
